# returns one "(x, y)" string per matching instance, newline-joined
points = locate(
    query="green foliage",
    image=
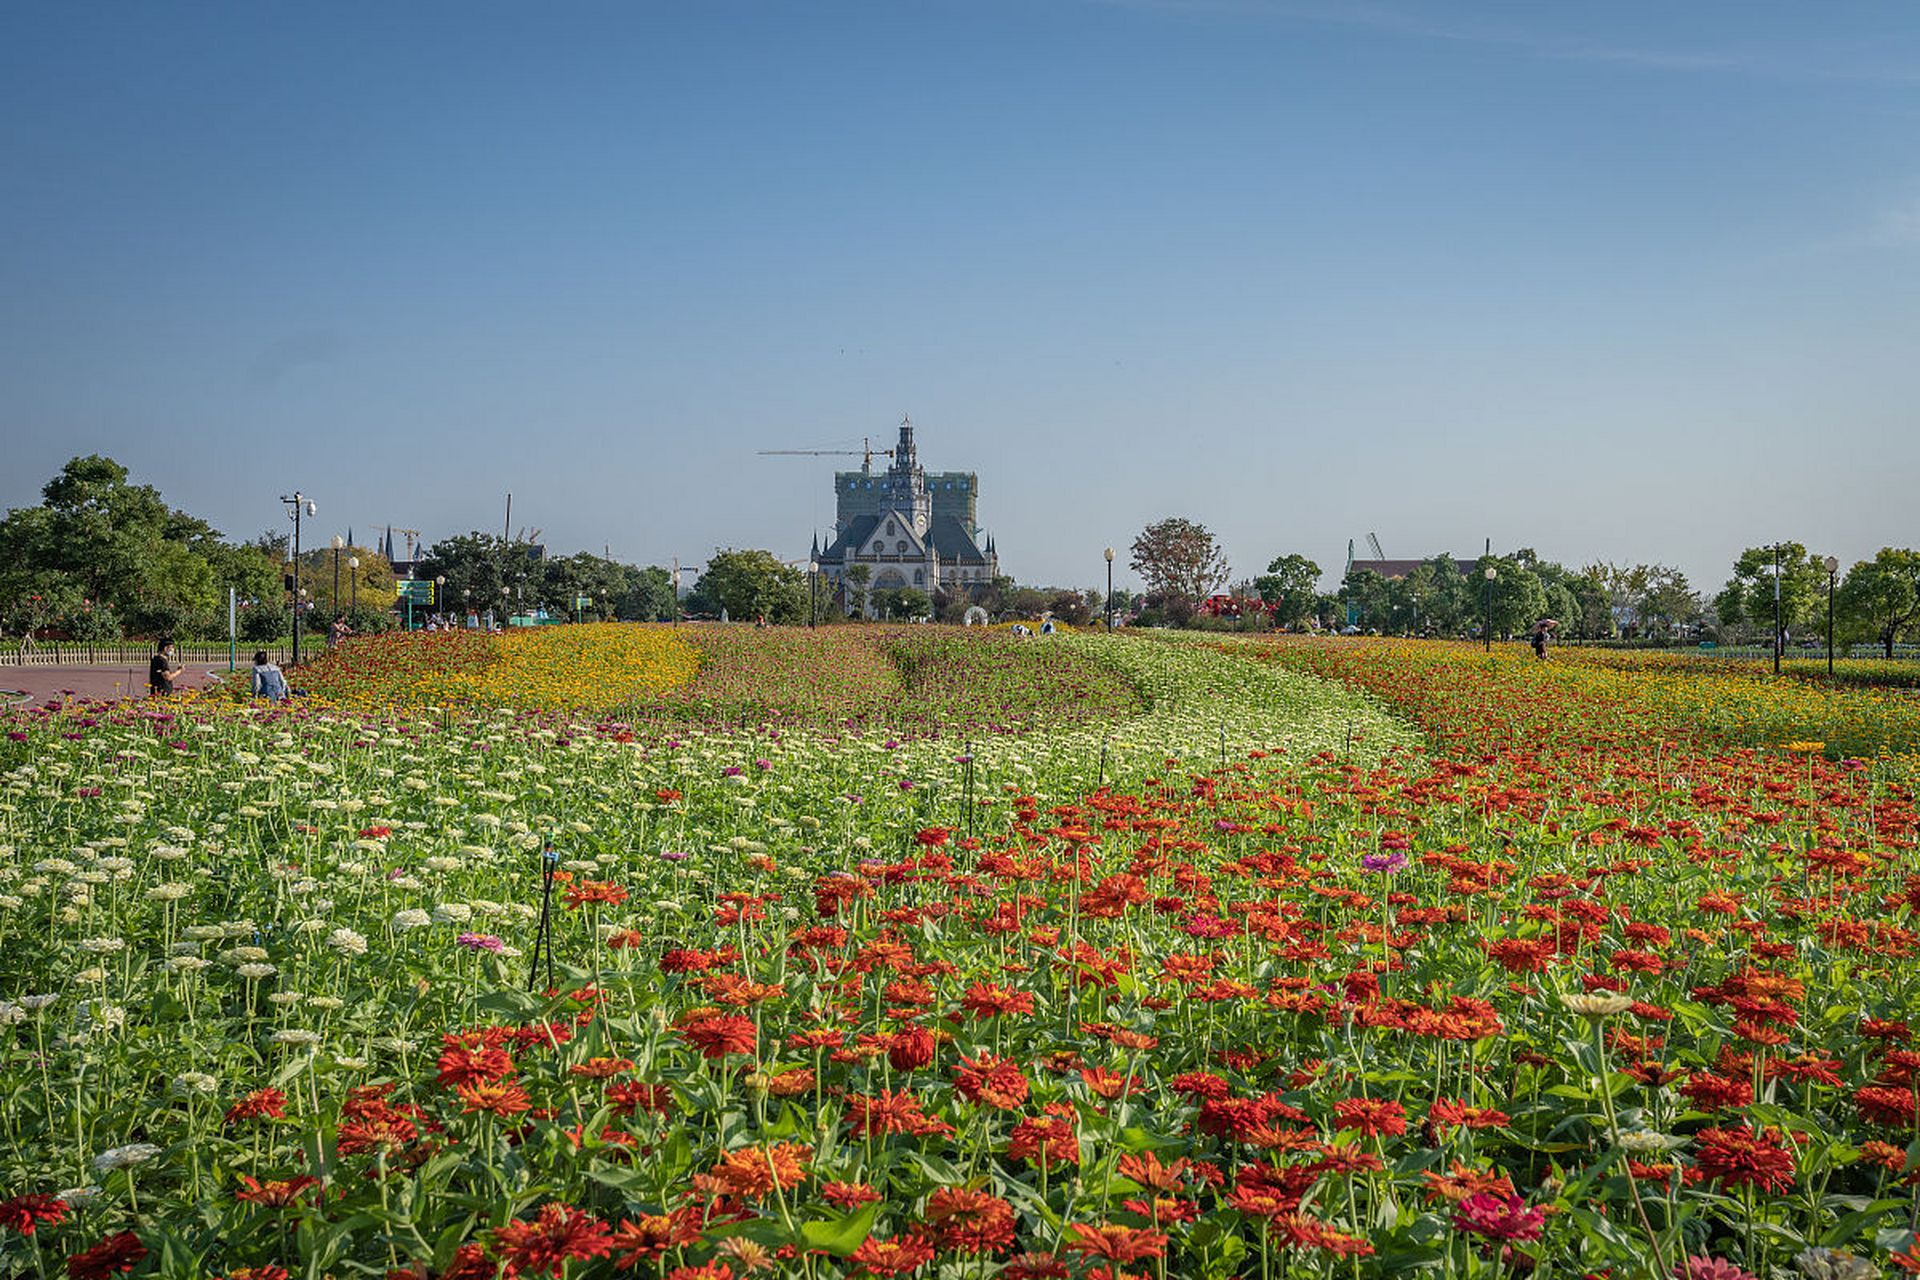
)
(98, 545)
(1880, 598)
(1747, 599)
(750, 585)
(265, 623)
(1289, 586)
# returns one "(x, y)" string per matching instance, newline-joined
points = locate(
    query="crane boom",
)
(864, 453)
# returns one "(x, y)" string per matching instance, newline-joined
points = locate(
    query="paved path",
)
(51, 684)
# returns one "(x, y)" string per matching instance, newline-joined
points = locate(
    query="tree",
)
(1748, 596)
(98, 545)
(1289, 586)
(1881, 597)
(1518, 598)
(750, 584)
(1369, 595)
(859, 577)
(1180, 562)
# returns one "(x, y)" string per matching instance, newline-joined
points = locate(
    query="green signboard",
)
(414, 590)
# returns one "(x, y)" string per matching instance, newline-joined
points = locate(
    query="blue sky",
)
(1630, 282)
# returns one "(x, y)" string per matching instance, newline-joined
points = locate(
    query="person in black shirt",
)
(163, 671)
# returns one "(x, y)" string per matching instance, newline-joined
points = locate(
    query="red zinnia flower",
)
(1499, 1217)
(1373, 1117)
(112, 1256)
(261, 1102)
(893, 1257)
(720, 1035)
(22, 1212)
(1117, 1244)
(969, 1221)
(546, 1244)
(1745, 1158)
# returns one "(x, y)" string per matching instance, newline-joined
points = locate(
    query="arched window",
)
(919, 576)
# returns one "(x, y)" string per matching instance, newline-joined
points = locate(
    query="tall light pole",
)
(1492, 573)
(297, 505)
(1108, 553)
(1833, 571)
(676, 591)
(1776, 609)
(338, 542)
(440, 593)
(353, 579)
(813, 583)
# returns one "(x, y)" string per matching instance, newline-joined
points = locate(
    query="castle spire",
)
(903, 453)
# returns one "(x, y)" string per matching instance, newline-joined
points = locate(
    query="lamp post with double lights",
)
(1833, 572)
(1108, 553)
(297, 505)
(1492, 573)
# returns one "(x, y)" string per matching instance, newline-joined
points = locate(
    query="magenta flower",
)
(480, 942)
(1704, 1268)
(1382, 863)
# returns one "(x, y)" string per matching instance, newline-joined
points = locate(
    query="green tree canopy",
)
(1289, 586)
(98, 544)
(1881, 597)
(1747, 599)
(748, 585)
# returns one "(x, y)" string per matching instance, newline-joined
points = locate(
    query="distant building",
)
(1396, 569)
(910, 528)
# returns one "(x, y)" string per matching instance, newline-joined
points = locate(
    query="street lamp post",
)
(1777, 646)
(338, 542)
(439, 593)
(1492, 573)
(1833, 570)
(813, 592)
(353, 579)
(297, 505)
(1108, 553)
(466, 606)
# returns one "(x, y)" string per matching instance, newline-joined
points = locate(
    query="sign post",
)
(414, 590)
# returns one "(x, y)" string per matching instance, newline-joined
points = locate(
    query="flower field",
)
(1074, 957)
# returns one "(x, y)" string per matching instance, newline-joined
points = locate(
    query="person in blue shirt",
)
(269, 681)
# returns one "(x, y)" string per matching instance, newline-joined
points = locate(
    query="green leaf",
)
(841, 1236)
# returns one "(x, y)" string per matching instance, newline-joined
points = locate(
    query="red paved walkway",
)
(42, 684)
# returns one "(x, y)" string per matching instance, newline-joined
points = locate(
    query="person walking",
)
(269, 681)
(1538, 637)
(163, 673)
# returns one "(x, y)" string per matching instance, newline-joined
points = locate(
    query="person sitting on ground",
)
(269, 681)
(163, 673)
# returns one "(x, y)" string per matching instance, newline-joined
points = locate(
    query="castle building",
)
(910, 528)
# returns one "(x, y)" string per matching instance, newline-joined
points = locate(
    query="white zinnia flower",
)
(1598, 1004)
(124, 1157)
(347, 942)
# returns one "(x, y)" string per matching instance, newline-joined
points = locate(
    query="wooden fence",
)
(70, 654)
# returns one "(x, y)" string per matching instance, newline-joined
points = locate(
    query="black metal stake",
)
(549, 860)
(1776, 609)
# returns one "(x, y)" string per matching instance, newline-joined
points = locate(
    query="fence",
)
(66, 654)
(1815, 652)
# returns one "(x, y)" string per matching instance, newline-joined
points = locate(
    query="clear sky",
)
(1628, 281)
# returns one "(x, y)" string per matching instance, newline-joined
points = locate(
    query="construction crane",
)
(865, 453)
(1373, 540)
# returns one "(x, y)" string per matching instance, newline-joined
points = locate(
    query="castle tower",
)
(907, 482)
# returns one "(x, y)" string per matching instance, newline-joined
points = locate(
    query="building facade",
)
(909, 528)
